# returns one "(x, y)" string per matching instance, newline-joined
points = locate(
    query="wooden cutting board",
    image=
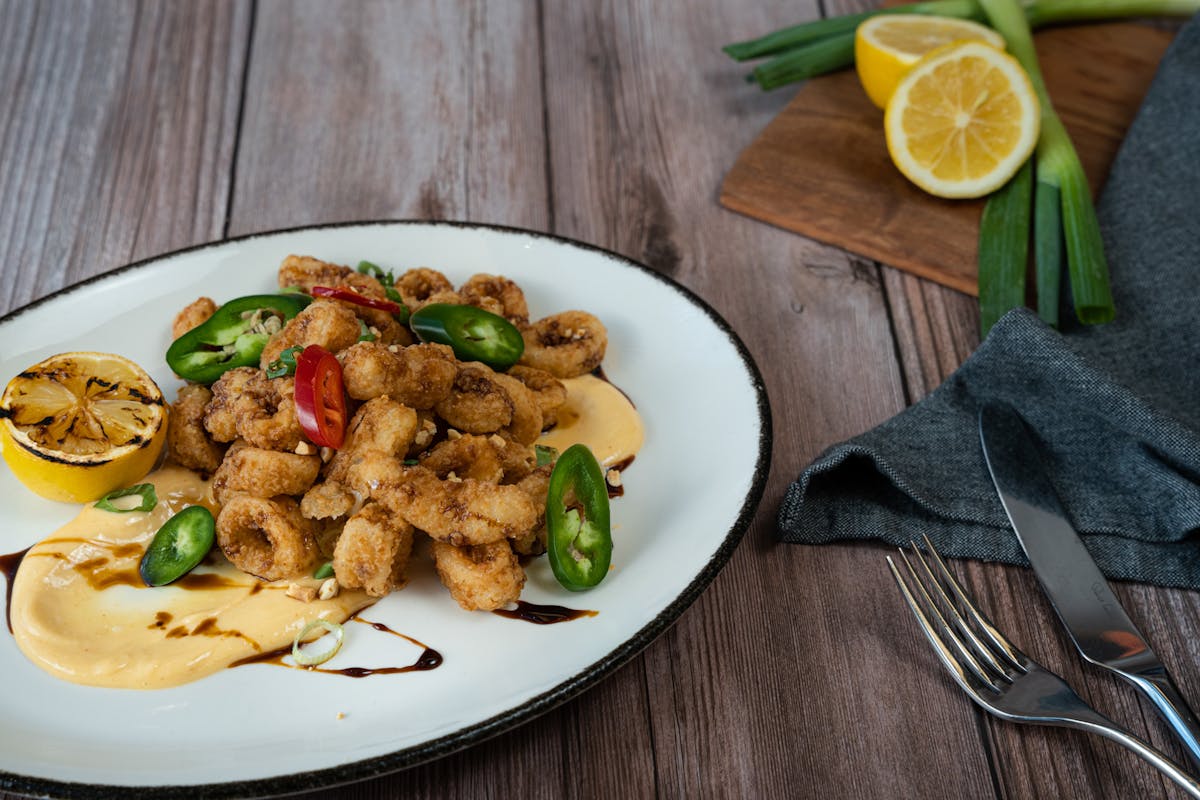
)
(821, 167)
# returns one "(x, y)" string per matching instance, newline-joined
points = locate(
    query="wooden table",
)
(130, 129)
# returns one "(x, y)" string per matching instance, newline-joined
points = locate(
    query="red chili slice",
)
(351, 296)
(320, 398)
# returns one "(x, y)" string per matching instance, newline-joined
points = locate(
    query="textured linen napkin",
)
(1116, 407)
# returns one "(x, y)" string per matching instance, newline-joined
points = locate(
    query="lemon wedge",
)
(78, 425)
(886, 47)
(962, 121)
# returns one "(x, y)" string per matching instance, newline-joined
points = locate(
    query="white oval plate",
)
(262, 729)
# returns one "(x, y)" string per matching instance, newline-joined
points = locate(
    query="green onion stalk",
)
(1063, 201)
(814, 48)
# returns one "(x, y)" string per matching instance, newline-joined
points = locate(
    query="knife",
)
(1091, 613)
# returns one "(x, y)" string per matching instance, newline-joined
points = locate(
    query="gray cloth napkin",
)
(1116, 407)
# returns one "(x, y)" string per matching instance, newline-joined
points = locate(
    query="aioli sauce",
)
(80, 611)
(597, 414)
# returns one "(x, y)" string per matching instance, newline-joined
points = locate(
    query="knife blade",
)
(1093, 616)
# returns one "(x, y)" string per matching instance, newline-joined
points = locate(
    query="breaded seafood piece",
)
(566, 345)
(267, 537)
(325, 322)
(480, 578)
(548, 391)
(459, 512)
(517, 459)
(193, 315)
(526, 424)
(381, 426)
(263, 473)
(497, 294)
(187, 440)
(421, 286)
(307, 272)
(372, 552)
(536, 484)
(477, 402)
(418, 376)
(261, 410)
(468, 456)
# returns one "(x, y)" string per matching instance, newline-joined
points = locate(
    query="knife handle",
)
(1170, 704)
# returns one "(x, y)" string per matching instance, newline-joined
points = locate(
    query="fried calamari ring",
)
(328, 323)
(526, 424)
(263, 473)
(267, 537)
(477, 402)
(537, 485)
(421, 286)
(460, 512)
(261, 410)
(307, 272)
(381, 426)
(548, 391)
(188, 442)
(497, 294)
(566, 345)
(467, 456)
(418, 376)
(480, 578)
(193, 315)
(372, 552)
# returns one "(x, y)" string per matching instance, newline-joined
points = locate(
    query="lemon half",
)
(887, 46)
(962, 121)
(78, 425)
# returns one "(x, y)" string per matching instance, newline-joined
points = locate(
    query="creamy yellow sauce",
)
(597, 414)
(81, 612)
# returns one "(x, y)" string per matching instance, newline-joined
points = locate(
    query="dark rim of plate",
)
(472, 734)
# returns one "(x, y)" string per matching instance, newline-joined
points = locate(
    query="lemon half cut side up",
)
(962, 121)
(78, 425)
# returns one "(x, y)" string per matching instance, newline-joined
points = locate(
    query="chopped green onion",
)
(376, 272)
(364, 333)
(286, 363)
(1004, 248)
(545, 454)
(149, 499)
(303, 657)
(411, 462)
(1058, 166)
(324, 571)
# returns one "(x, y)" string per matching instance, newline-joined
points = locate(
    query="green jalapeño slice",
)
(180, 544)
(473, 334)
(579, 537)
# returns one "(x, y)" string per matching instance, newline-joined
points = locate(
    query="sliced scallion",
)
(309, 656)
(145, 491)
(324, 571)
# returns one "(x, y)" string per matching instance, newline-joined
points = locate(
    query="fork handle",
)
(1105, 727)
(1173, 708)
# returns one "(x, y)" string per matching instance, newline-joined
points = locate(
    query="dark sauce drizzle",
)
(429, 658)
(8, 568)
(543, 615)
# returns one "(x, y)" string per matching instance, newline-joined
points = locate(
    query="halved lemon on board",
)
(887, 46)
(962, 121)
(78, 425)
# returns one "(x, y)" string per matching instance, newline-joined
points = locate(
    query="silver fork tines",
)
(993, 672)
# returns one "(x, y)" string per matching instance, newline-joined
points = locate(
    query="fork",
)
(998, 676)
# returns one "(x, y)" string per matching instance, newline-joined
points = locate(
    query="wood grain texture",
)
(822, 168)
(117, 121)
